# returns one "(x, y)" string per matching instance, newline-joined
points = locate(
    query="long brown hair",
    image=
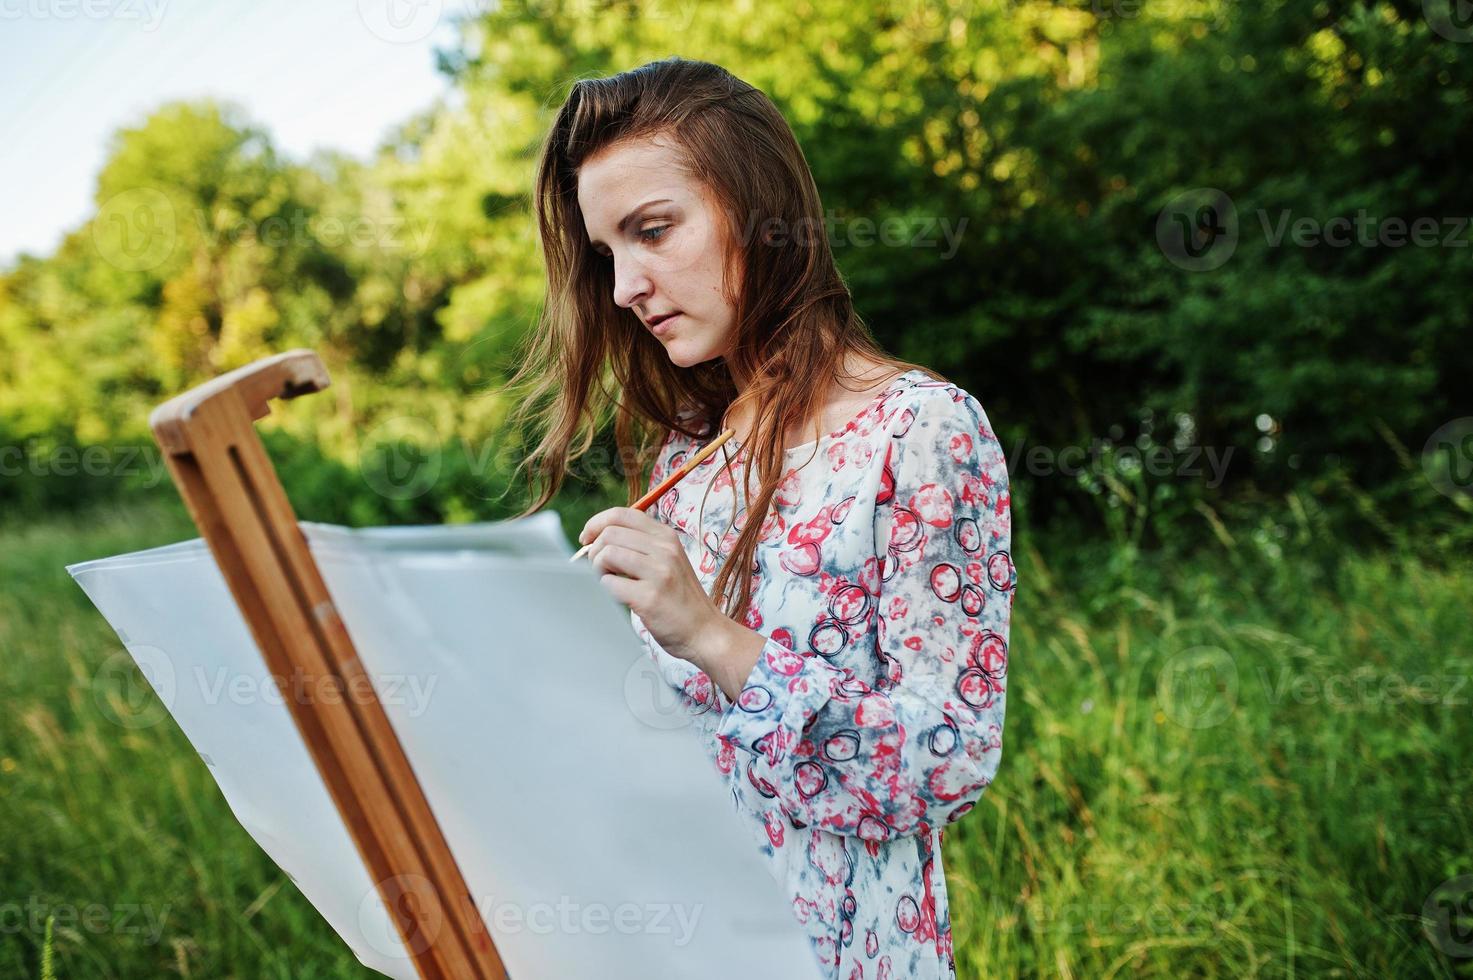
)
(795, 325)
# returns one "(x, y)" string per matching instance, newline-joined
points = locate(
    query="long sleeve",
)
(702, 693)
(919, 747)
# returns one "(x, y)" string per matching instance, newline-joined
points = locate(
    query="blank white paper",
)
(594, 833)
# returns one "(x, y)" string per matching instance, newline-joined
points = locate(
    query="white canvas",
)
(588, 822)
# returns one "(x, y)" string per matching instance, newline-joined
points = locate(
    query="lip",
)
(662, 326)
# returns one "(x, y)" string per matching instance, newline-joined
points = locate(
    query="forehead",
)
(621, 177)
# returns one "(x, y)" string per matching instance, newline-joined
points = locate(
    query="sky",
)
(316, 74)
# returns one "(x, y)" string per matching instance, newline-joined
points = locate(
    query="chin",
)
(680, 360)
(685, 356)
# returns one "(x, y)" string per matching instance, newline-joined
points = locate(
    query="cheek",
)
(710, 259)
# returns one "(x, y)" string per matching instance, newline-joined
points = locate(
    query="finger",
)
(628, 538)
(622, 589)
(601, 520)
(622, 561)
(630, 517)
(640, 520)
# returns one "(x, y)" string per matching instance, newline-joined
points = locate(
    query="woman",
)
(852, 682)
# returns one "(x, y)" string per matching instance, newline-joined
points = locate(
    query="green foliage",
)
(1000, 177)
(48, 951)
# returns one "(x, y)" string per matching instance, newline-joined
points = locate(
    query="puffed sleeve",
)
(918, 749)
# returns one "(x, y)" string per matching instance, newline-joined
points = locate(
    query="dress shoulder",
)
(943, 403)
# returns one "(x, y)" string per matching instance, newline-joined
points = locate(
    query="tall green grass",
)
(117, 829)
(1243, 758)
(1209, 769)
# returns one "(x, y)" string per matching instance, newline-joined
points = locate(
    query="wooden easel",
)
(220, 466)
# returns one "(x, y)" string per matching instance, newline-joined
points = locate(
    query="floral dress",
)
(883, 586)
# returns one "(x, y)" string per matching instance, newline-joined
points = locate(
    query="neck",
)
(835, 395)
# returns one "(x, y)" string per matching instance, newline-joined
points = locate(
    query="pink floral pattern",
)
(883, 586)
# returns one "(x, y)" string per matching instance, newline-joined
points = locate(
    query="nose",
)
(631, 281)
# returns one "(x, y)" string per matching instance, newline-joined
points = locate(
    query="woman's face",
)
(663, 234)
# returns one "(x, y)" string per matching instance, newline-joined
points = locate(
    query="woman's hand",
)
(645, 568)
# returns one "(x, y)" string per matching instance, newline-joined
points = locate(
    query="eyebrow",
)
(630, 216)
